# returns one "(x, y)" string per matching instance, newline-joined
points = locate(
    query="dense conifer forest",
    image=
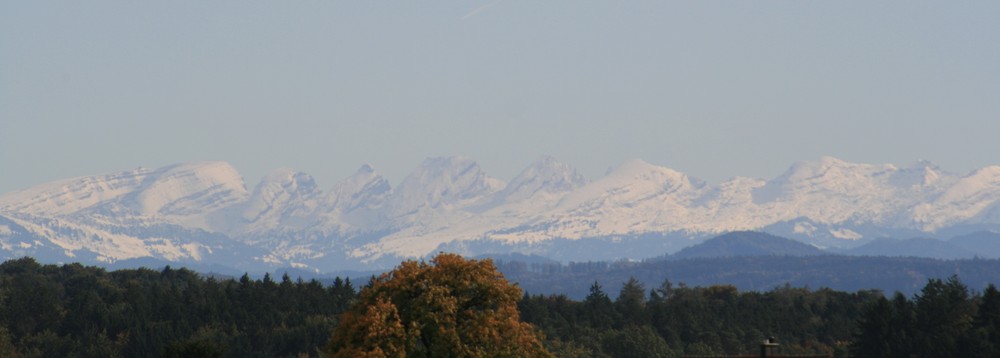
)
(77, 311)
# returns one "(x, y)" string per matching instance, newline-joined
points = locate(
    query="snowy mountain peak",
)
(830, 169)
(443, 182)
(829, 177)
(972, 198)
(992, 171)
(289, 181)
(185, 211)
(288, 176)
(366, 188)
(979, 182)
(68, 196)
(920, 174)
(632, 167)
(283, 193)
(630, 183)
(187, 189)
(638, 169)
(365, 169)
(544, 176)
(173, 193)
(828, 161)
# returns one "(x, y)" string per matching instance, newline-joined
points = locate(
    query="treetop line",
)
(77, 311)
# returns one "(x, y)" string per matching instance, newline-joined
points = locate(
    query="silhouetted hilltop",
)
(747, 243)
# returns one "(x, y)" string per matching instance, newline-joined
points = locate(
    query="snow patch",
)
(445, 200)
(193, 250)
(845, 234)
(303, 266)
(804, 228)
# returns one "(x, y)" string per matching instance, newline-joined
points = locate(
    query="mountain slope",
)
(917, 247)
(747, 243)
(983, 243)
(185, 212)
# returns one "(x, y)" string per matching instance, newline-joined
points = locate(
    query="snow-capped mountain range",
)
(204, 213)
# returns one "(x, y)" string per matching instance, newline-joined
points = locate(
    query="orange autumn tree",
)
(451, 307)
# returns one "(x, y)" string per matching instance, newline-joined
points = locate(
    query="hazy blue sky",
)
(713, 89)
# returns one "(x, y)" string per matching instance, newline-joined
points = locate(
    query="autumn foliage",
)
(450, 307)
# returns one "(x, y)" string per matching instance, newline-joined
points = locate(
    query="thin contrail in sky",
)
(480, 9)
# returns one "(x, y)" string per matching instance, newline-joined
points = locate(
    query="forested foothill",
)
(78, 311)
(670, 320)
(750, 261)
(754, 273)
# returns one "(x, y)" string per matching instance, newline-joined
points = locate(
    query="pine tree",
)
(875, 329)
(598, 309)
(986, 325)
(631, 303)
(943, 318)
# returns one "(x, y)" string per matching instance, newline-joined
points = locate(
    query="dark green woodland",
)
(78, 311)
